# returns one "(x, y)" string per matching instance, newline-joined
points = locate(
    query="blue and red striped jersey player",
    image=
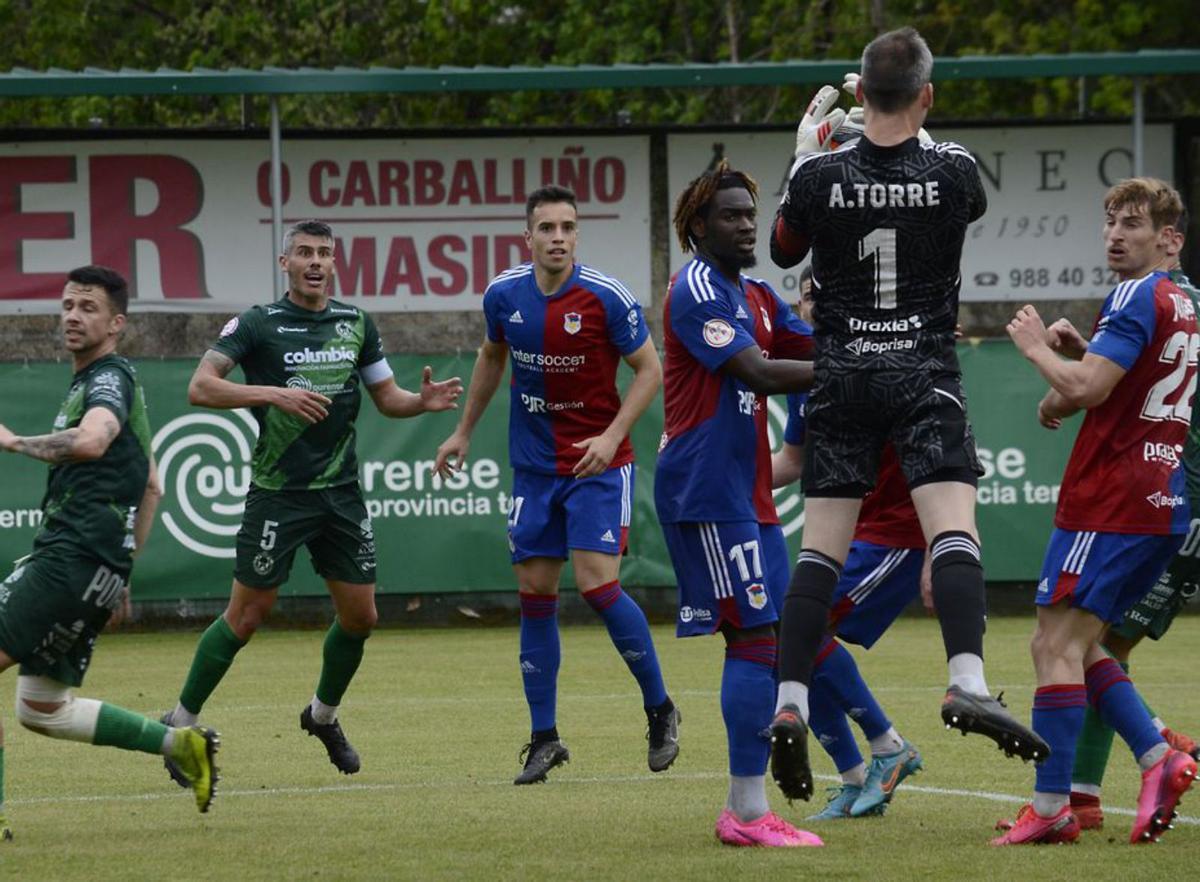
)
(729, 341)
(566, 327)
(883, 575)
(1122, 510)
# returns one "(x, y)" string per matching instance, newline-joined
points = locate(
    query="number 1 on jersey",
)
(880, 244)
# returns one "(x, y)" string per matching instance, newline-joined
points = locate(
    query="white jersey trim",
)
(598, 278)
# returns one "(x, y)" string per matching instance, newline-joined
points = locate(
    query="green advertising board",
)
(435, 536)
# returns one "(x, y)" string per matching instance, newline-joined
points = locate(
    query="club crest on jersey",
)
(766, 318)
(718, 333)
(572, 322)
(757, 594)
(344, 329)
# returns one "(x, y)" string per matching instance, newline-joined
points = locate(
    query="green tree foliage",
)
(185, 35)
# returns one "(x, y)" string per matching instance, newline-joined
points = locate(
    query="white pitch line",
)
(616, 779)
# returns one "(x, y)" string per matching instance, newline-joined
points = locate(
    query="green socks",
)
(1092, 750)
(214, 655)
(340, 659)
(117, 727)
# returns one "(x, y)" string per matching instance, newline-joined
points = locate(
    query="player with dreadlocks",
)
(730, 341)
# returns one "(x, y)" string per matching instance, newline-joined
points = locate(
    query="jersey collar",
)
(904, 148)
(563, 288)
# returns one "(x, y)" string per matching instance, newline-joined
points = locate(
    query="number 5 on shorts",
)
(269, 535)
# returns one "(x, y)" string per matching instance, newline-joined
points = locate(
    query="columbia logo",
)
(741, 313)
(608, 536)
(516, 319)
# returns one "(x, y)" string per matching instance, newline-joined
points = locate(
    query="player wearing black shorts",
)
(101, 494)
(885, 216)
(304, 357)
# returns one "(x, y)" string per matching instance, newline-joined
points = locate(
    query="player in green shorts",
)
(100, 501)
(1151, 616)
(304, 358)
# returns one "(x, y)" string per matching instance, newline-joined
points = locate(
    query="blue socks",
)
(748, 704)
(837, 674)
(829, 724)
(1111, 693)
(540, 657)
(1058, 717)
(630, 634)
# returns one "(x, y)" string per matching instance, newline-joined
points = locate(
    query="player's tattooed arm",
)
(210, 388)
(221, 364)
(87, 441)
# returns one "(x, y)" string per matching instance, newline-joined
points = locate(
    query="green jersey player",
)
(1149, 617)
(99, 503)
(304, 358)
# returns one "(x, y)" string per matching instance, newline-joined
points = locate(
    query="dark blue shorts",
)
(877, 583)
(722, 573)
(553, 514)
(1103, 573)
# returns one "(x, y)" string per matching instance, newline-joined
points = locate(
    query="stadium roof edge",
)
(22, 82)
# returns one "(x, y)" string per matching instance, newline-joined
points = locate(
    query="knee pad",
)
(73, 720)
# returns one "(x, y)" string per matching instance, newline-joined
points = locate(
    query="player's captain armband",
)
(376, 372)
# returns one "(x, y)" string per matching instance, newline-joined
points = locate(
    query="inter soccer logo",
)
(572, 322)
(204, 464)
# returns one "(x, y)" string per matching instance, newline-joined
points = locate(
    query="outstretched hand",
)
(440, 395)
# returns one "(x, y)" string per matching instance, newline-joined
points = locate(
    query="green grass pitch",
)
(438, 717)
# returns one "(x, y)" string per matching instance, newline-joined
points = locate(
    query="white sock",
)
(748, 796)
(1086, 789)
(1049, 804)
(966, 672)
(793, 692)
(168, 742)
(1153, 755)
(888, 743)
(855, 777)
(321, 712)
(181, 717)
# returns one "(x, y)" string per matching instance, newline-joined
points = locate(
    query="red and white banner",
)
(420, 224)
